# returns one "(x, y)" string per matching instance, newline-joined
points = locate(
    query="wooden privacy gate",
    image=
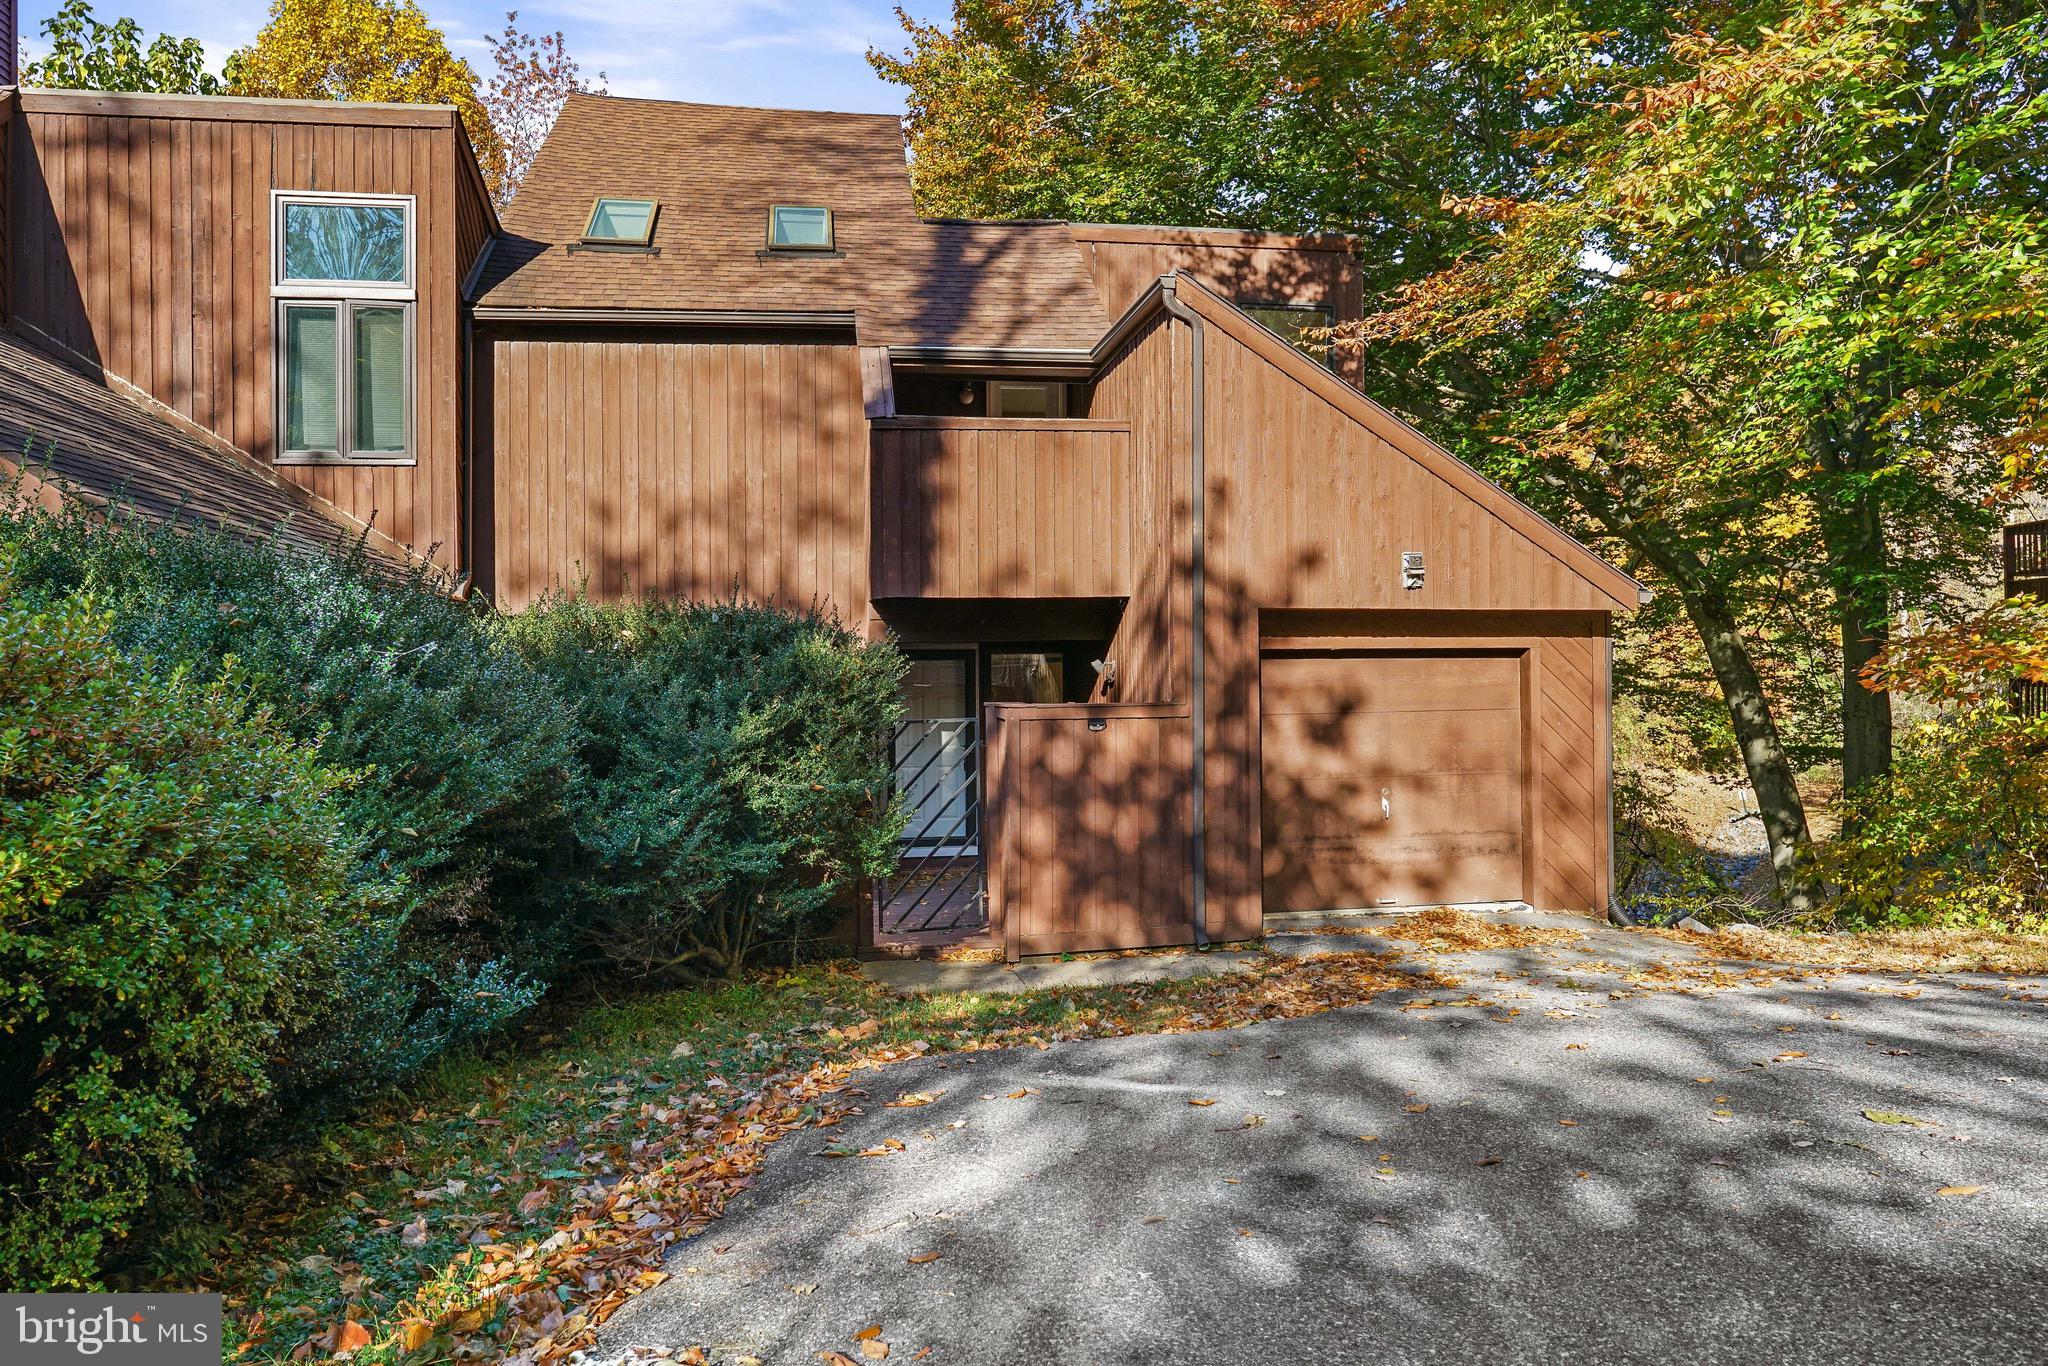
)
(1087, 838)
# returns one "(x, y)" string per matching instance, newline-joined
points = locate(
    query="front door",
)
(935, 755)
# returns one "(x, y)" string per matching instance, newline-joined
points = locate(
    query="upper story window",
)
(1006, 398)
(800, 227)
(622, 222)
(342, 279)
(1290, 321)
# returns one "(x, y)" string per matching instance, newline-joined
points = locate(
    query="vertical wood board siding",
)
(676, 467)
(1001, 509)
(1145, 385)
(142, 246)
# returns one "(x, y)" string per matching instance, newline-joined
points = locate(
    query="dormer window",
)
(800, 227)
(621, 222)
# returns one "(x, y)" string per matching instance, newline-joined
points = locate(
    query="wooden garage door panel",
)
(1441, 734)
(1423, 871)
(1334, 806)
(1348, 684)
(1481, 742)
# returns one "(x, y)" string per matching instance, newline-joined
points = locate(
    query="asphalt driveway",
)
(1664, 1178)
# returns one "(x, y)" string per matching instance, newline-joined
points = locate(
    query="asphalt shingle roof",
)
(716, 170)
(88, 440)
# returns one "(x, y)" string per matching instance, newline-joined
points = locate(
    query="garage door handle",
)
(1386, 805)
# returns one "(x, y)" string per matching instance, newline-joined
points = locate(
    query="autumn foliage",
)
(1957, 834)
(371, 50)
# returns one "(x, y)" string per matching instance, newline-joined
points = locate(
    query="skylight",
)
(800, 227)
(623, 222)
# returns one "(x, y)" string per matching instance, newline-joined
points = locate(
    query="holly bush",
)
(174, 891)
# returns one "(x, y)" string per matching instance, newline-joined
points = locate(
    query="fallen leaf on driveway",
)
(874, 1349)
(1420, 1108)
(1570, 1047)
(1790, 1053)
(837, 1359)
(911, 1099)
(803, 1288)
(873, 1330)
(922, 1258)
(1200, 1101)
(1569, 1123)
(1893, 1117)
(1153, 1219)
(1959, 1190)
(883, 1149)
(1489, 1162)
(1022, 1092)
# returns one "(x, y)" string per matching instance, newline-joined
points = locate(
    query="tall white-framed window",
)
(343, 286)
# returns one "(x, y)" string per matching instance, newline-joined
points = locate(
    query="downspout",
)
(1198, 628)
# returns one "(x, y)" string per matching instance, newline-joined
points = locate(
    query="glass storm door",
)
(935, 755)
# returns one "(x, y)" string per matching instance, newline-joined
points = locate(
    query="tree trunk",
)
(1852, 533)
(1866, 715)
(1763, 752)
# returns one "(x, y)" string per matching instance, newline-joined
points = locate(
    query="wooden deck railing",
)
(2026, 571)
(1001, 508)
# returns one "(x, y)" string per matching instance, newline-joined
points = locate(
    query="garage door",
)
(1391, 779)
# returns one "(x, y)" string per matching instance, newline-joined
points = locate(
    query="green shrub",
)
(1956, 835)
(736, 780)
(465, 756)
(174, 893)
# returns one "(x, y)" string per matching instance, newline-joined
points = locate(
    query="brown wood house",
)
(1200, 635)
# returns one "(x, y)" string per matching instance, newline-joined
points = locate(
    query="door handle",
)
(1386, 805)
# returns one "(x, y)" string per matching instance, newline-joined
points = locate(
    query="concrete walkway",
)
(1537, 1173)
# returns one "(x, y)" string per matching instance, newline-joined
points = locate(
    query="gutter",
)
(1198, 627)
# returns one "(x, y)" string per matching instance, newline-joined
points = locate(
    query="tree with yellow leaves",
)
(371, 50)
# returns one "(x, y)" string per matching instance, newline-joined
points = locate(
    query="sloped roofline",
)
(1621, 589)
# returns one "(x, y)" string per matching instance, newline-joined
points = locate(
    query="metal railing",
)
(937, 887)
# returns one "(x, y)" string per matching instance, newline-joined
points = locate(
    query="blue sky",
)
(798, 54)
